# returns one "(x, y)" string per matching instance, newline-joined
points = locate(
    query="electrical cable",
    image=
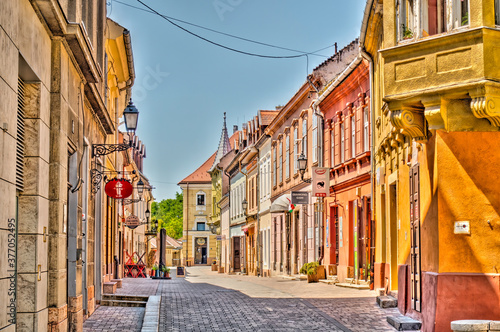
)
(220, 45)
(226, 34)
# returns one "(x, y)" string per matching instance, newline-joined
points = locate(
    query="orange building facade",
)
(348, 228)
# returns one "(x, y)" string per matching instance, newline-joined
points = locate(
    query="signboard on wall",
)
(320, 181)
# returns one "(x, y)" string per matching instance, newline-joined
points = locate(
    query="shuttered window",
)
(20, 135)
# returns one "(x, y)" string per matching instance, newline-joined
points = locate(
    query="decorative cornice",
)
(411, 120)
(485, 107)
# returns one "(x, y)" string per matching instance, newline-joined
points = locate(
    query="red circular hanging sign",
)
(118, 188)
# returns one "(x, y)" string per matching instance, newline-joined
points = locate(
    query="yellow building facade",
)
(435, 100)
(198, 242)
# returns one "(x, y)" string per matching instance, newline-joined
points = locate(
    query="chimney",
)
(235, 128)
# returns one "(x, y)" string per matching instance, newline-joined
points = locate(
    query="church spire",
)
(224, 145)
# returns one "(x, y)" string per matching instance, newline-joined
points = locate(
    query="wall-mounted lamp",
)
(302, 161)
(131, 116)
(244, 205)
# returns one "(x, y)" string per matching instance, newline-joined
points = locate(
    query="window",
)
(405, 18)
(268, 176)
(366, 129)
(460, 13)
(332, 147)
(200, 226)
(315, 138)
(429, 17)
(296, 149)
(274, 167)
(342, 141)
(497, 12)
(200, 199)
(304, 137)
(280, 163)
(433, 17)
(353, 135)
(287, 158)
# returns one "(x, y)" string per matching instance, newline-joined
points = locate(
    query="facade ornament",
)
(412, 122)
(485, 107)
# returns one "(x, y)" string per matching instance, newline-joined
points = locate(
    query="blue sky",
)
(184, 85)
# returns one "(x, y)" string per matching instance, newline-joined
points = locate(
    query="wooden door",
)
(415, 273)
(236, 253)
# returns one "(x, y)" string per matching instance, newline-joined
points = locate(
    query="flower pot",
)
(312, 277)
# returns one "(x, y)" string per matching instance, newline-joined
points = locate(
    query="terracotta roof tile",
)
(201, 175)
(266, 117)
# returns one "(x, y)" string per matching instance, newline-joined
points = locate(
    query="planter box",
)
(215, 267)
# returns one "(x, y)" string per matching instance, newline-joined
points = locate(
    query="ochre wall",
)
(468, 190)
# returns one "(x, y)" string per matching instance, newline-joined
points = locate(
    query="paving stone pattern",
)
(204, 307)
(110, 319)
(357, 314)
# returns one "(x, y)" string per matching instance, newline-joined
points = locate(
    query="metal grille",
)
(20, 135)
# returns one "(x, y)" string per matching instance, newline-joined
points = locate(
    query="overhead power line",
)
(227, 34)
(170, 20)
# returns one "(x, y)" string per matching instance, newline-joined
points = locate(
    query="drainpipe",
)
(187, 224)
(367, 56)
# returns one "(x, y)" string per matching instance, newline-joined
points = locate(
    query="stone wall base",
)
(75, 313)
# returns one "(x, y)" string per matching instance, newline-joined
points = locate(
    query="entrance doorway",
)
(200, 256)
(236, 253)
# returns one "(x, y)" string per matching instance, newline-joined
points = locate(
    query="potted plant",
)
(312, 270)
(166, 272)
(154, 270)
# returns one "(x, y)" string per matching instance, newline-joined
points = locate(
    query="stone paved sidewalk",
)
(115, 319)
(123, 319)
(206, 301)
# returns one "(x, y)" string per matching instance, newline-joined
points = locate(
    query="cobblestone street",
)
(207, 301)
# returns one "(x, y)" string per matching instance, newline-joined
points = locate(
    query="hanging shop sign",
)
(119, 188)
(132, 221)
(320, 182)
(300, 197)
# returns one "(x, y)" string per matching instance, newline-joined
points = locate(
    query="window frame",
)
(198, 196)
(287, 156)
(304, 136)
(314, 134)
(353, 135)
(366, 129)
(280, 161)
(275, 166)
(296, 143)
(342, 142)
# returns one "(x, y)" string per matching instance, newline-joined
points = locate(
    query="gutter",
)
(364, 22)
(130, 62)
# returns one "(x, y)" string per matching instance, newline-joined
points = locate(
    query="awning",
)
(282, 203)
(245, 228)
